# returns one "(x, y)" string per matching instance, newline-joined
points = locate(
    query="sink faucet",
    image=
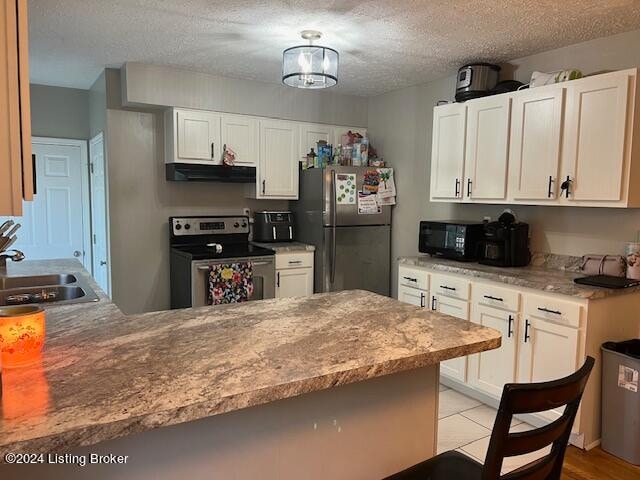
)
(7, 238)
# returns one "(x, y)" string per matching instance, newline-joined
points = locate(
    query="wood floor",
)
(596, 465)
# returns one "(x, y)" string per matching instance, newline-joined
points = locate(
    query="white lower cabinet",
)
(455, 368)
(414, 296)
(294, 274)
(490, 370)
(545, 337)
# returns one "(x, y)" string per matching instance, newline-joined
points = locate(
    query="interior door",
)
(361, 261)
(278, 166)
(489, 371)
(456, 367)
(594, 137)
(487, 150)
(99, 217)
(534, 156)
(448, 151)
(53, 224)
(240, 134)
(199, 136)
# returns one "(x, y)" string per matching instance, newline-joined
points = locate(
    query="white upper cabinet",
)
(447, 151)
(277, 175)
(534, 154)
(194, 136)
(311, 134)
(240, 134)
(487, 148)
(595, 157)
(565, 144)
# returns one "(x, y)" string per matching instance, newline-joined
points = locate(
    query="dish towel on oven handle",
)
(230, 283)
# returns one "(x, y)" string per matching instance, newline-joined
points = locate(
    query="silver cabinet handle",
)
(411, 279)
(549, 192)
(447, 288)
(457, 187)
(510, 328)
(527, 324)
(295, 262)
(433, 303)
(212, 149)
(264, 186)
(469, 182)
(278, 279)
(422, 299)
(546, 310)
(497, 299)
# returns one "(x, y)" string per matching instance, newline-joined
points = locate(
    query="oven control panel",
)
(183, 226)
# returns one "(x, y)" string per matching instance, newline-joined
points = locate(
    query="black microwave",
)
(450, 239)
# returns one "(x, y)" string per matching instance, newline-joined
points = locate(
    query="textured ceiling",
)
(383, 45)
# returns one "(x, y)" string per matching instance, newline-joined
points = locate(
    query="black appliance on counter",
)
(273, 227)
(450, 239)
(505, 243)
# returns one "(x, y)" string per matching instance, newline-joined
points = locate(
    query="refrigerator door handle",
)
(334, 221)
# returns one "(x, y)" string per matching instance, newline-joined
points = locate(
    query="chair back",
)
(520, 398)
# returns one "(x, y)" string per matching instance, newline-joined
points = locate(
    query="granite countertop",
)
(281, 247)
(105, 375)
(544, 275)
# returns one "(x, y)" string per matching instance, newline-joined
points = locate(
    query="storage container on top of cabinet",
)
(568, 144)
(16, 164)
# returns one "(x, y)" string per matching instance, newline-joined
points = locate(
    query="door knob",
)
(77, 253)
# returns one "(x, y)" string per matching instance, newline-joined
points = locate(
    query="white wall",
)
(141, 200)
(400, 126)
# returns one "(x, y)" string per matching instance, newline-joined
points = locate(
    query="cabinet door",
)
(534, 154)
(278, 166)
(198, 136)
(240, 134)
(548, 351)
(447, 151)
(414, 296)
(594, 137)
(311, 134)
(455, 368)
(294, 282)
(487, 151)
(489, 371)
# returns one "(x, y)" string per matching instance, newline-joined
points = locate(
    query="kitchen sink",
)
(36, 281)
(45, 289)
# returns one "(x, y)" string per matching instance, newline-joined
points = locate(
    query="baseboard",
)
(593, 445)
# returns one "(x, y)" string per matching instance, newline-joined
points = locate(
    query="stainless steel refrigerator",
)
(352, 249)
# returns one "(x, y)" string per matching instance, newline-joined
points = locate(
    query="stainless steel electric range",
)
(198, 242)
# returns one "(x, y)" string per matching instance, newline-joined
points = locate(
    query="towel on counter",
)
(230, 283)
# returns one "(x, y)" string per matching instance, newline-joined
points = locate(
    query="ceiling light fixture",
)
(310, 66)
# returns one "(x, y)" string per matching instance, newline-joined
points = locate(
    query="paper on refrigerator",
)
(368, 204)
(346, 189)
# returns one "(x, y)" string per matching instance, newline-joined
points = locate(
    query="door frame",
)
(93, 140)
(84, 165)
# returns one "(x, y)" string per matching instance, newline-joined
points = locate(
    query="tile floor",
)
(465, 425)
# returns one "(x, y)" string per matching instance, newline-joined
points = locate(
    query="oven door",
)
(264, 278)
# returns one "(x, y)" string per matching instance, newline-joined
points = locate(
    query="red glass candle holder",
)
(22, 331)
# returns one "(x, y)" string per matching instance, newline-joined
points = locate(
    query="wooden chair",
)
(517, 398)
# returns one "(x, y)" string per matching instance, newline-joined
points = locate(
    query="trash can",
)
(621, 400)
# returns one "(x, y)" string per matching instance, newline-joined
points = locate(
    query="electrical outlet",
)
(246, 212)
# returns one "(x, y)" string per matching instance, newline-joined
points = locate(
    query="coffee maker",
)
(505, 242)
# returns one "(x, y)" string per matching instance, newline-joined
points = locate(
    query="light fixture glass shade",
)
(310, 66)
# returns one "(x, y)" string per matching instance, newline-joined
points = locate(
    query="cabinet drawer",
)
(413, 277)
(450, 286)
(294, 260)
(496, 297)
(554, 310)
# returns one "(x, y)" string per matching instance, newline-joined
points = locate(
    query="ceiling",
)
(384, 45)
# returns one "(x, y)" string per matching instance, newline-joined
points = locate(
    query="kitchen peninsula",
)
(338, 385)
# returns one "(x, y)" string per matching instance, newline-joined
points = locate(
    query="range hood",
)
(192, 172)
